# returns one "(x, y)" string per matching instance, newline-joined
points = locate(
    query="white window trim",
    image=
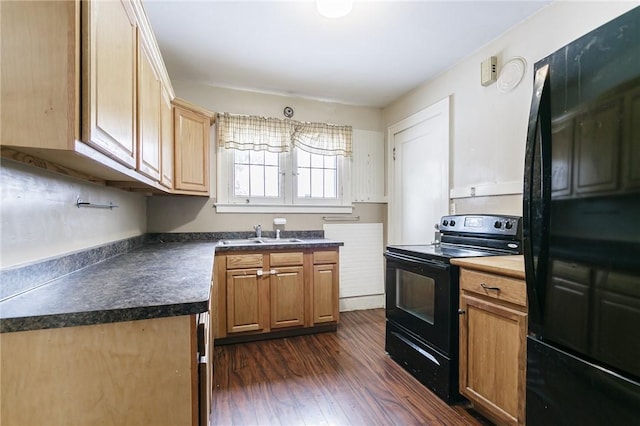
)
(266, 208)
(226, 203)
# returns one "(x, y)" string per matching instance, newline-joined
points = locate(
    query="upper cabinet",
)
(149, 115)
(86, 93)
(167, 154)
(191, 132)
(40, 74)
(109, 79)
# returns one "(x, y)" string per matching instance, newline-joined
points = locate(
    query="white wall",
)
(198, 214)
(488, 128)
(251, 103)
(39, 218)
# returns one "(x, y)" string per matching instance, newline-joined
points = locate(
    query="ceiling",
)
(371, 57)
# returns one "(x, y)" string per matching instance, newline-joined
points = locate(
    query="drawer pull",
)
(487, 287)
(461, 312)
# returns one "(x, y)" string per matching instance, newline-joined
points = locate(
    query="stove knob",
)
(452, 223)
(497, 224)
(508, 225)
(445, 222)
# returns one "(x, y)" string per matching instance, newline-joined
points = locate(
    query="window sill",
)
(265, 208)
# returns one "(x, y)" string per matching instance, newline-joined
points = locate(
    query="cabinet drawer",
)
(285, 259)
(240, 261)
(325, 257)
(494, 286)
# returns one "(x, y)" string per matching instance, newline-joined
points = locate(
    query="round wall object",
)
(288, 112)
(511, 74)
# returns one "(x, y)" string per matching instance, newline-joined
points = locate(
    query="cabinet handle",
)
(262, 273)
(486, 287)
(461, 312)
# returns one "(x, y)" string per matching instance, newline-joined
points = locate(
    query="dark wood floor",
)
(341, 378)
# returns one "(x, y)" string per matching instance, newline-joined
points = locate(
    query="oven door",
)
(421, 297)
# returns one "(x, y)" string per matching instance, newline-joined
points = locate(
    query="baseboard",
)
(359, 303)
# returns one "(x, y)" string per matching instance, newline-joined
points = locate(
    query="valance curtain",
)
(253, 133)
(276, 135)
(323, 139)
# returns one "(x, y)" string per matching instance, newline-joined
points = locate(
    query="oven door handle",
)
(416, 261)
(416, 348)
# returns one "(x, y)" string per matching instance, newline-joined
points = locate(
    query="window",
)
(316, 175)
(306, 174)
(256, 174)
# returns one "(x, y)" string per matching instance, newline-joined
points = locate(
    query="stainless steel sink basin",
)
(256, 241)
(240, 242)
(280, 240)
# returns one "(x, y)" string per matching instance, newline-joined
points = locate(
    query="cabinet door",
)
(325, 293)
(287, 297)
(246, 300)
(191, 151)
(109, 79)
(40, 74)
(493, 357)
(149, 96)
(166, 118)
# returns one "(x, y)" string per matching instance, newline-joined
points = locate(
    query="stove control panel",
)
(482, 224)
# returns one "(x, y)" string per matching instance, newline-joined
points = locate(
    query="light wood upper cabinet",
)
(149, 115)
(166, 119)
(109, 87)
(40, 74)
(85, 93)
(191, 129)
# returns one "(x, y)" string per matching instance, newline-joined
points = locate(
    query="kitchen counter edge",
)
(118, 290)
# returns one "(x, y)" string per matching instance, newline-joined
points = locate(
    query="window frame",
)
(288, 201)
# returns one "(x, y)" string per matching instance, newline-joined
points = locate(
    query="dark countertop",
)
(157, 280)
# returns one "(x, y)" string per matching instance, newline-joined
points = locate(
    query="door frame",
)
(440, 107)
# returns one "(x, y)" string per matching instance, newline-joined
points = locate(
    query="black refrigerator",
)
(581, 231)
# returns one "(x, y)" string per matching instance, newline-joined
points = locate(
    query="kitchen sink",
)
(280, 240)
(256, 241)
(240, 242)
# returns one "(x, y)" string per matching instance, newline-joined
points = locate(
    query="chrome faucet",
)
(258, 229)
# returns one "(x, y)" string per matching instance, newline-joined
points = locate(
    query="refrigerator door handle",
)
(537, 173)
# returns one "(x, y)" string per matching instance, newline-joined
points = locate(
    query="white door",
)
(419, 174)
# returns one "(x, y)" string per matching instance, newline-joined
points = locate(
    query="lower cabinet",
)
(493, 329)
(246, 298)
(142, 372)
(325, 287)
(264, 292)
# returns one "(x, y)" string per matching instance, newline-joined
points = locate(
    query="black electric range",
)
(422, 295)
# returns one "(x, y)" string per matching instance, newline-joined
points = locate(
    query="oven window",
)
(415, 294)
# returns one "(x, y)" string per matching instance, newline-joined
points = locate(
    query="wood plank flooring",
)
(335, 378)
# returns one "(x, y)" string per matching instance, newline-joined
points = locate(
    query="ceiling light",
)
(334, 8)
